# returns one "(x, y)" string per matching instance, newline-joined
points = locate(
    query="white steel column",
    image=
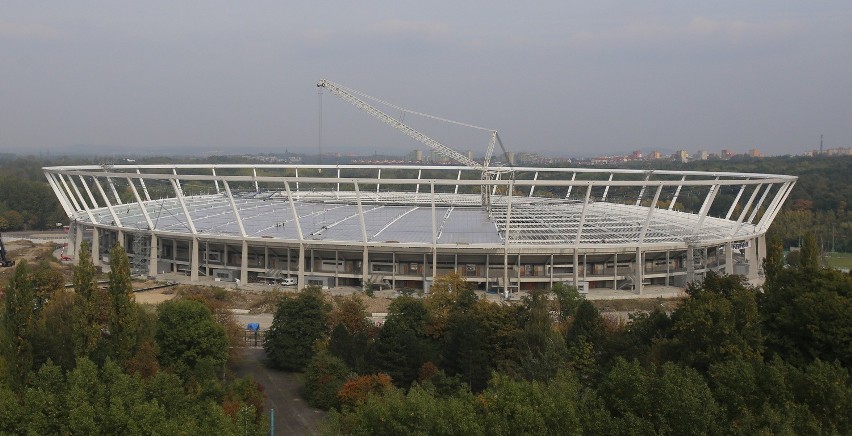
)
(365, 267)
(63, 200)
(193, 259)
(96, 247)
(638, 285)
(73, 199)
(152, 258)
(606, 189)
(337, 193)
(176, 181)
(141, 205)
(770, 214)
(736, 227)
(642, 191)
(301, 270)
(729, 258)
(144, 188)
(215, 179)
(434, 230)
(82, 201)
(234, 208)
(677, 192)
(583, 213)
(759, 203)
(568, 194)
(615, 271)
(457, 186)
(244, 263)
(735, 202)
(254, 175)
(576, 269)
(651, 210)
(116, 221)
(182, 201)
(114, 192)
(705, 208)
(551, 271)
(532, 188)
(511, 189)
(89, 192)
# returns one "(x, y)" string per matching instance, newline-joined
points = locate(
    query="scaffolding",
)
(141, 255)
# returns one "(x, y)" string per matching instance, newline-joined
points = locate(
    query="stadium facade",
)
(401, 226)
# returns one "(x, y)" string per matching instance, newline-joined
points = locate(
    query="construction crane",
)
(352, 96)
(4, 261)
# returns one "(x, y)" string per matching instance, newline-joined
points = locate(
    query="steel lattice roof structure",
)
(440, 205)
(629, 226)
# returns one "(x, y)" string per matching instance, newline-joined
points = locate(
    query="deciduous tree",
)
(298, 324)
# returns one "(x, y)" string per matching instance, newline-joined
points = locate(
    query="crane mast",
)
(350, 96)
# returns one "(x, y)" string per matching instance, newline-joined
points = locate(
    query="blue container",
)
(253, 326)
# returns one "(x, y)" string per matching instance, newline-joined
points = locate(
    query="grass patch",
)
(839, 260)
(637, 305)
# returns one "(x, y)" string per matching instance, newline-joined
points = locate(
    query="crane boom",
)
(447, 152)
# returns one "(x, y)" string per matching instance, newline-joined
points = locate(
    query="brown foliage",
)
(144, 362)
(355, 391)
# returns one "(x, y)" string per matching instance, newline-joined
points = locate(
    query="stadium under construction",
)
(500, 227)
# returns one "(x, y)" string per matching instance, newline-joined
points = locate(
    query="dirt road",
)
(293, 416)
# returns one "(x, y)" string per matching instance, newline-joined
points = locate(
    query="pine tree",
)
(87, 313)
(122, 322)
(810, 253)
(18, 326)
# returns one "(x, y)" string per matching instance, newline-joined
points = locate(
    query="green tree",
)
(720, 320)
(18, 326)
(324, 377)
(805, 314)
(190, 340)
(298, 324)
(90, 311)
(122, 322)
(443, 295)
(46, 280)
(403, 345)
(53, 338)
(810, 253)
(465, 351)
(351, 332)
(774, 261)
(543, 348)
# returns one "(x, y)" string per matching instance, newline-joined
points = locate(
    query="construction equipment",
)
(4, 261)
(352, 96)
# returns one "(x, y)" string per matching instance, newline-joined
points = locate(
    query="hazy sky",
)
(558, 77)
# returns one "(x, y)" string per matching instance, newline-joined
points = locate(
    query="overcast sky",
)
(570, 78)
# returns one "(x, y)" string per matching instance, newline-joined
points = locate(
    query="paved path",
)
(293, 416)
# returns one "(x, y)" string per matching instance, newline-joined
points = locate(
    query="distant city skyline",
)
(560, 78)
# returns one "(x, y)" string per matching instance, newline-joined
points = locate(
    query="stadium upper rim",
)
(428, 206)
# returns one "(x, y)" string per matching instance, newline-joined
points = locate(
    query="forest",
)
(90, 360)
(731, 359)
